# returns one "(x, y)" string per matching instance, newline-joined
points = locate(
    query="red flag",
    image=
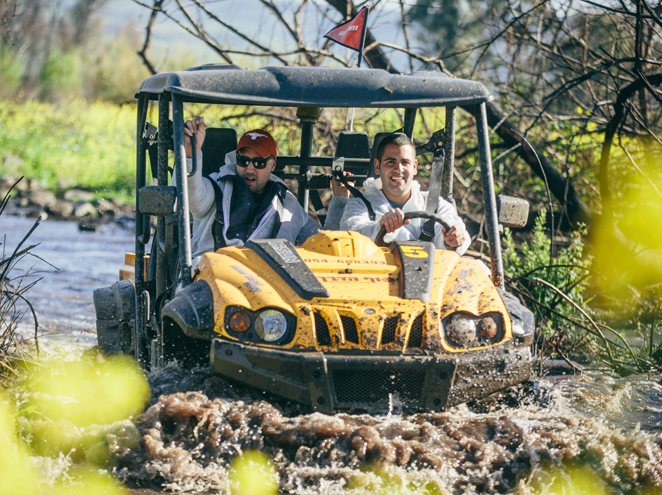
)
(351, 33)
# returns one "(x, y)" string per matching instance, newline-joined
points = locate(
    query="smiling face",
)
(397, 168)
(255, 178)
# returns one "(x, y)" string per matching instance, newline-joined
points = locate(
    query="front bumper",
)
(373, 383)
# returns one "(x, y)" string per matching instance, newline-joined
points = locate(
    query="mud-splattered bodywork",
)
(337, 323)
(362, 327)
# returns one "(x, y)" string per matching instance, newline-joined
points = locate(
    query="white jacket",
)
(296, 226)
(356, 217)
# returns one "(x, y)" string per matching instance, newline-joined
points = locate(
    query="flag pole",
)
(358, 64)
(363, 31)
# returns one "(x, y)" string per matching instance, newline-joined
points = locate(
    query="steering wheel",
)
(379, 239)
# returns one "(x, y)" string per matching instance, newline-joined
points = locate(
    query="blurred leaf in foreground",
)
(90, 391)
(17, 474)
(253, 474)
(566, 480)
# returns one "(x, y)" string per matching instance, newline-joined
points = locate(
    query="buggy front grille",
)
(347, 330)
(416, 333)
(322, 330)
(377, 386)
(390, 329)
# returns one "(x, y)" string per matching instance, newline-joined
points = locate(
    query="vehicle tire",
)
(115, 306)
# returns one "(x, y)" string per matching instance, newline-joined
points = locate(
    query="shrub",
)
(11, 70)
(78, 144)
(557, 288)
(567, 271)
(61, 76)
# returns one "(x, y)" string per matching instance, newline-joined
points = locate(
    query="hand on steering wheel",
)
(379, 239)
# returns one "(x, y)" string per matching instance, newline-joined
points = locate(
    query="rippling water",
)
(197, 423)
(70, 264)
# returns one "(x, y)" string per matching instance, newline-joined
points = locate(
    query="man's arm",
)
(310, 227)
(355, 217)
(457, 237)
(200, 192)
(334, 212)
(302, 225)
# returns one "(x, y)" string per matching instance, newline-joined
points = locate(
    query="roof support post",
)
(449, 154)
(142, 237)
(160, 261)
(410, 119)
(491, 217)
(182, 190)
(307, 116)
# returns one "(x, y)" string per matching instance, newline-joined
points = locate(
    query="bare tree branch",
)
(142, 53)
(619, 111)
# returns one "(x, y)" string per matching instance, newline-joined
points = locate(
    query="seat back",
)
(353, 145)
(218, 142)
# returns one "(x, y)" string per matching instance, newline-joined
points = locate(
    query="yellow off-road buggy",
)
(341, 322)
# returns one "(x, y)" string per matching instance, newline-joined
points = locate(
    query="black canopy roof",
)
(313, 86)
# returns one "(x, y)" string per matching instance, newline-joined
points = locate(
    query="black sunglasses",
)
(258, 163)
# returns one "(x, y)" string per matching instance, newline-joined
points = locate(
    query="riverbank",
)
(31, 199)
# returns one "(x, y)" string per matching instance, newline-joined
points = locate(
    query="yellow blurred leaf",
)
(88, 481)
(17, 475)
(89, 391)
(568, 480)
(253, 474)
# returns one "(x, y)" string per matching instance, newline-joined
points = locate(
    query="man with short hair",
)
(396, 192)
(244, 200)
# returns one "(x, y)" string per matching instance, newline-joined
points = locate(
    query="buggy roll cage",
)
(308, 89)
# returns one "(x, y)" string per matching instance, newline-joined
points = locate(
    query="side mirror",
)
(513, 212)
(157, 200)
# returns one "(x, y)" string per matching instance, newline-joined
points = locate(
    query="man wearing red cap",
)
(244, 200)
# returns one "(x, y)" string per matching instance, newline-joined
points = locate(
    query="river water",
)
(197, 423)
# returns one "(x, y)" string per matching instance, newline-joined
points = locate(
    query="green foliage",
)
(441, 17)
(529, 262)
(73, 145)
(569, 322)
(89, 67)
(11, 70)
(61, 75)
(79, 414)
(112, 71)
(13, 303)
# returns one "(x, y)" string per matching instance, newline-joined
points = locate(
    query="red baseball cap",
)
(260, 141)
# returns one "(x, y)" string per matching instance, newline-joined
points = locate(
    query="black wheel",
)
(115, 306)
(379, 239)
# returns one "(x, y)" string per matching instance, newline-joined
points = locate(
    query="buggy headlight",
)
(240, 321)
(463, 330)
(270, 325)
(460, 329)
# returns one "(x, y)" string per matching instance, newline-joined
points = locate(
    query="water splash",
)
(191, 438)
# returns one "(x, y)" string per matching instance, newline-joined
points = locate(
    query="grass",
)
(13, 300)
(77, 144)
